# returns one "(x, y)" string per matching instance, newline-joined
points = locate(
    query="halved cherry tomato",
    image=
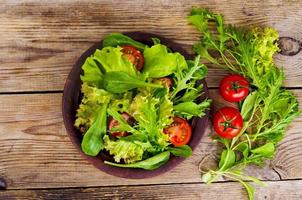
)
(114, 123)
(179, 132)
(166, 81)
(134, 56)
(234, 88)
(228, 122)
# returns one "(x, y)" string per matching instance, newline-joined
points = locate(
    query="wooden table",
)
(40, 41)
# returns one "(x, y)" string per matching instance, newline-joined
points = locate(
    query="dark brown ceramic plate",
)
(72, 98)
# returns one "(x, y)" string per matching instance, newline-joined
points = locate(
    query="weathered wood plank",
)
(279, 190)
(40, 41)
(35, 151)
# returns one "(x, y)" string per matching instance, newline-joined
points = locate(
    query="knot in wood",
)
(289, 46)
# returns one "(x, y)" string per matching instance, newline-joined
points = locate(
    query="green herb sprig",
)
(268, 109)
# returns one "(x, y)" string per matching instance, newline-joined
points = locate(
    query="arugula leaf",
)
(268, 109)
(92, 142)
(189, 109)
(160, 63)
(186, 80)
(118, 39)
(119, 82)
(123, 125)
(183, 151)
(148, 164)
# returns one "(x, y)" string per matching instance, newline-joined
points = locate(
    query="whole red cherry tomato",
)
(228, 122)
(234, 88)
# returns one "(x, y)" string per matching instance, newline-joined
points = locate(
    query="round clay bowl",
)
(72, 98)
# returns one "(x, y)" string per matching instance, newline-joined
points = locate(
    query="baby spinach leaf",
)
(92, 142)
(266, 150)
(183, 151)
(248, 105)
(227, 159)
(118, 39)
(244, 148)
(148, 164)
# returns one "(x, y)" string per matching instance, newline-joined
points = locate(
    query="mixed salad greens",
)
(137, 102)
(138, 99)
(249, 134)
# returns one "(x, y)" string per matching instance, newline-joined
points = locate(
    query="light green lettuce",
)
(160, 63)
(93, 98)
(128, 151)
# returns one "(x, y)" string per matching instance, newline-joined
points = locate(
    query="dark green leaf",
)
(118, 39)
(227, 159)
(119, 82)
(248, 105)
(244, 148)
(92, 142)
(190, 109)
(148, 164)
(266, 150)
(183, 151)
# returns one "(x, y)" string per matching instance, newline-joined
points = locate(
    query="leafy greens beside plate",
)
(137, 102)
(264, 113)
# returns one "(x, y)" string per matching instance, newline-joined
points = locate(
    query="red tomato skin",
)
(134, 56)
(179, 132)
(229, 93)
(230, 114)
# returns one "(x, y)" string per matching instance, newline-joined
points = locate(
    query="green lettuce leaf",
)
(128, 151)
(160, 63)
(144, 109)
(108, 59)
(165, 112)
(111, 59)
(92, 99)
(92, 73)
(122, 103)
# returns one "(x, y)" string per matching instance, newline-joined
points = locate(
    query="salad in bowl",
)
(139, 103)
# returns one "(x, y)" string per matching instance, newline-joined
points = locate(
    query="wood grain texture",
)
(35, 151)
(40, 40)
(289, 190)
